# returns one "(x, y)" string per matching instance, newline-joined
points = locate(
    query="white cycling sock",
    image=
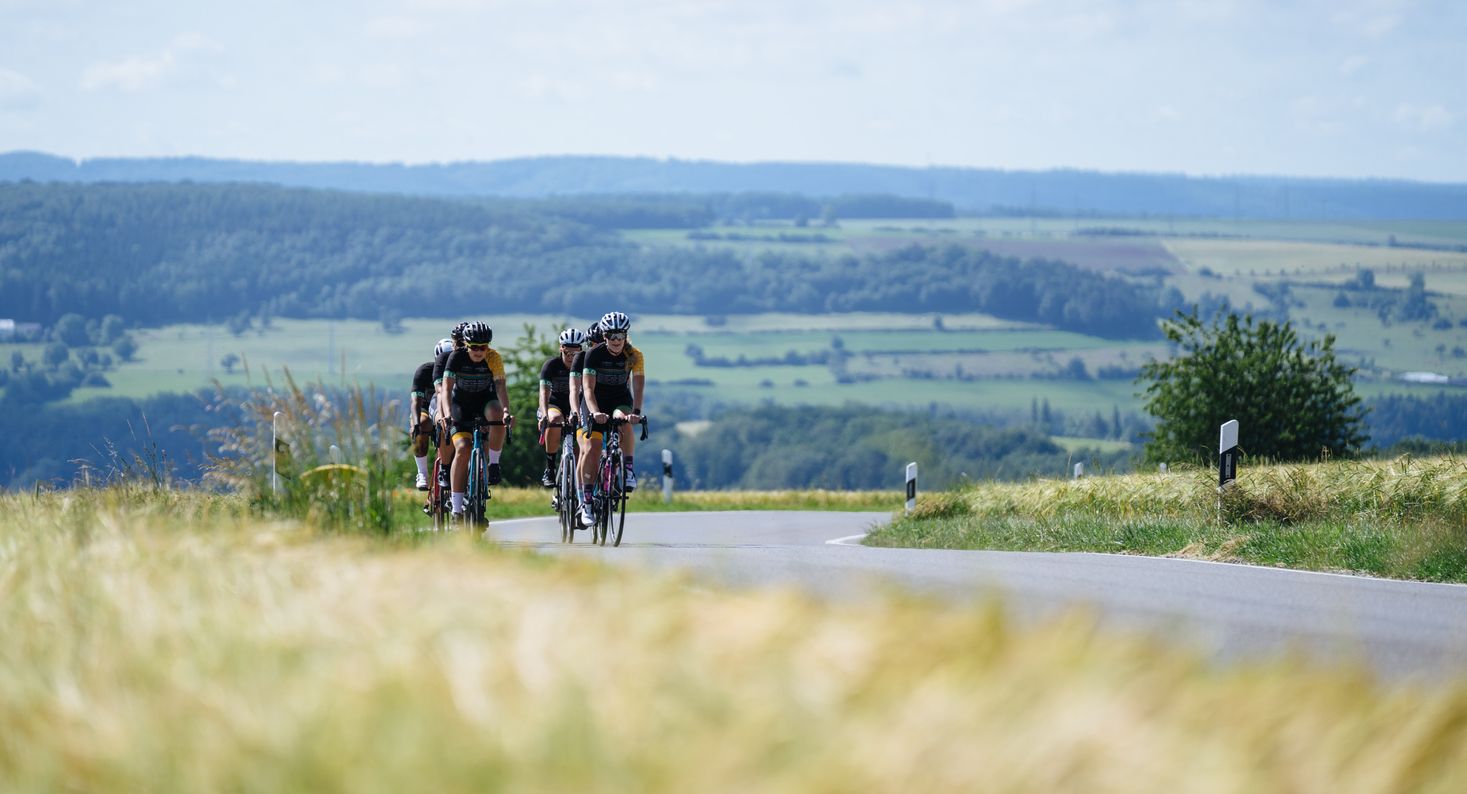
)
(494, 455)
(457, 500)
(423, 467)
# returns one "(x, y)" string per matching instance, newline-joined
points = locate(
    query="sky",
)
(1336, 88)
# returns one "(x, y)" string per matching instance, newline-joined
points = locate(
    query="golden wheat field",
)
(166, 641)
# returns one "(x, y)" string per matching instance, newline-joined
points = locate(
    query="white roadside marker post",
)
(275, 453)
(911, 487)
(1079, 470)
(667, 476)
(1227, 458)
(335, 454)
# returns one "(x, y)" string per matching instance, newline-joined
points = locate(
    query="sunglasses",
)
(615, 337)
(477, 347)
(570, 347)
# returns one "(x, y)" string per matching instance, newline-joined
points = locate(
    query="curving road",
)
(1399, 629)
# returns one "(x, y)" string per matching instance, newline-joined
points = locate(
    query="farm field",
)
(968, 361)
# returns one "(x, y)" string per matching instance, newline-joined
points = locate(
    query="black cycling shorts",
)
(468, 418)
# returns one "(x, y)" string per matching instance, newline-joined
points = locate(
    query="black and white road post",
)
(667, 476)
(1227, 454)
(275, 453)
(1079, 471)
(911, 486)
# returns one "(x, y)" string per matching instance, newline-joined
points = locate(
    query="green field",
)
(971, 361)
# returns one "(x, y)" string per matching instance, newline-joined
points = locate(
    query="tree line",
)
(1067, 192)
(165, 253)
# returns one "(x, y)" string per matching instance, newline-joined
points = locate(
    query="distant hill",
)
(971, 190)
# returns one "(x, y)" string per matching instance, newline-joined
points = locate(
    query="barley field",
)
(174, 641)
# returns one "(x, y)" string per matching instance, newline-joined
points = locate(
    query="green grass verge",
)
(1402, 519)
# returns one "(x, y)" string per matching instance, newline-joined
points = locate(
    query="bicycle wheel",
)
(437, 497)
(570, 482)
(565, 499)
(473, 504)
(618, 502)
(605, 502)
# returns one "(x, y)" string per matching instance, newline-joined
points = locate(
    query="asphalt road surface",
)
(1402, 630)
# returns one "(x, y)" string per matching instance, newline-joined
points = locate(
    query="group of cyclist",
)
(596, 376)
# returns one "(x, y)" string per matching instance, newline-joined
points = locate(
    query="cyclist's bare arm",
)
(588, 387)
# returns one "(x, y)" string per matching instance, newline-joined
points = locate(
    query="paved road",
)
(1401, 629)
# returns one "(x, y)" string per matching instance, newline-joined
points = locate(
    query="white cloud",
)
(131, 74)
(18, 92)
(1431, 118)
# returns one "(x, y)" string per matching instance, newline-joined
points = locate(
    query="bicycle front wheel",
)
(474, 509)
(436, 497)
(618, 503)
(565, 499)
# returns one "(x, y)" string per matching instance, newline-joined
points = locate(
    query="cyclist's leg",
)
(445, 439)
(590, 464)
(463, 440)
(628, 443)
(494, 439)
(554, 424)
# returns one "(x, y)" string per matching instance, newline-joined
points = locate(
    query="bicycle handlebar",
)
(617, 421)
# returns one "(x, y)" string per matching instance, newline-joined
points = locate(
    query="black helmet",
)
(594, 335)
(478, 334)
(458, 332)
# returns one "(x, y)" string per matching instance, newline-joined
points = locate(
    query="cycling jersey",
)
(423, 388)
(473, 382)
(613, 375)
(556, 375)
(438, 365)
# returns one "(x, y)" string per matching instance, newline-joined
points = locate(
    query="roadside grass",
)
(176, 641)
(1402, 518)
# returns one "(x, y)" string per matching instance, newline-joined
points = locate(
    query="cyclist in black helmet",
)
(474, 394)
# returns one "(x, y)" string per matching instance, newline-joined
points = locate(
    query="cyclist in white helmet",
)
(555, 398)
(612, 380)
(425, 410)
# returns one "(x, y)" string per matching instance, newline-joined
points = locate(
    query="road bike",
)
(437, 504)
(609, 493)
(566, 502)
(476, 494)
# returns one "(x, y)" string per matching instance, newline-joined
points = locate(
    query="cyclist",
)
(555, 398)
(612, 380)
(445, 442)
(474, 393)
(424, 410)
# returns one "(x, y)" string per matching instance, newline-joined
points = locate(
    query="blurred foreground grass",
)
(173, 642)
(1404, 518)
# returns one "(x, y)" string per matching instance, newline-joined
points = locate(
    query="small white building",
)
(1425, 377)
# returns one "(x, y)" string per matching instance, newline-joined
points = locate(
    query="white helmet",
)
(615, 321)
(445, 345)
(573, 336)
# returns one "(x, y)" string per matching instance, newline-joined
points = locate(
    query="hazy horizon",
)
(1352, 90)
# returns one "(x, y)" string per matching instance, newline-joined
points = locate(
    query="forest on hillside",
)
(1071, 192)
(166, 253)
